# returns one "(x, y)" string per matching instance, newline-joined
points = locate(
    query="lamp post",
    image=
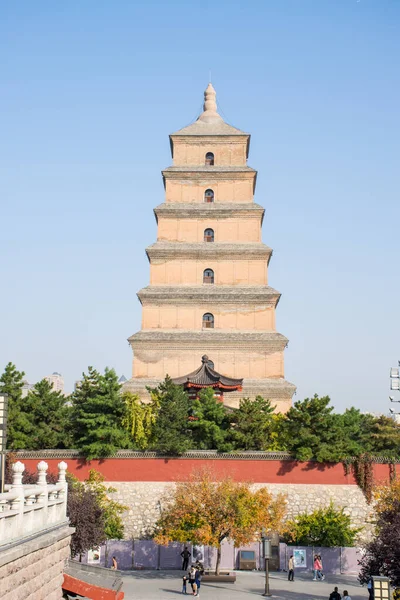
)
(3, 437)
(267, 553)
(394, 385)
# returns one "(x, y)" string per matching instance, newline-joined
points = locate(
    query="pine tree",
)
(311, 431)
(18, 425)
(209, 422)
(47, 413)
(170, 433)
(253, 424)
(385, 437)
(97, 414)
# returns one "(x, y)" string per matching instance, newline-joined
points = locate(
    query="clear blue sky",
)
(89, 92)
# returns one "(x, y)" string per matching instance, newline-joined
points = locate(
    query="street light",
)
(395, 378)
(267, 554)
(3, 437)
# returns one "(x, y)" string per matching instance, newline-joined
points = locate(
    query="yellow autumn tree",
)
(139, 420)
(207, 510)
(386, 496)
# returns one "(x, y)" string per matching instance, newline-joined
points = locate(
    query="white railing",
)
(28, 509)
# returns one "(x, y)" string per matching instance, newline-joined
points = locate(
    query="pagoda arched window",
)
(209, 159)
(209, 235)
(208, 196)
(208, 276)
(208, 321)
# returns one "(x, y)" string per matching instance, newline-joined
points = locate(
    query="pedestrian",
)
(317, 568)
(197, 579)
(192, 580)
(370, 588)
(291, 569)
(346, 595)
(184, 582)
(114, 563)
(322, 568)
(185, 556)
(335, 595)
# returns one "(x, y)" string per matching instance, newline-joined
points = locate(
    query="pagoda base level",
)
(278, 391)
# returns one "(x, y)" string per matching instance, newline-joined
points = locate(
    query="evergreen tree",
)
(209, 422)
(18, 425)
(311, 431)
(47, 413)
(356, 428)
(253, 424)
(170, 433)
(385, 437)
(97, 414)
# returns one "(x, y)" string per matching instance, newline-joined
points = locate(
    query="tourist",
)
(346, 595)
(291, 569)
(317, 568)
(192, 580)
(335, 595)
(114, 563)
(370, 588)
(322, 568)
(185, 555)
(197, 579)
(184, 582)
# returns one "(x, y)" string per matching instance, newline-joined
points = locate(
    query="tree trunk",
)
(217, 566)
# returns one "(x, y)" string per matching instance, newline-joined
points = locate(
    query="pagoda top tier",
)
(209, 122)
(205, 377)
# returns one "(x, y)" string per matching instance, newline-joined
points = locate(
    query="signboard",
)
(300, 558)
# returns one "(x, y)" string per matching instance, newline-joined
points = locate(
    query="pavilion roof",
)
(205, 376)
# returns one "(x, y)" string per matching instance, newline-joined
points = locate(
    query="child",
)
(184, 582)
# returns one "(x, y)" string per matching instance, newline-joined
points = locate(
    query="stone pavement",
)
(166, 585)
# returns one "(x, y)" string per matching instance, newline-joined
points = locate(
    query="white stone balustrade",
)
(30, 509)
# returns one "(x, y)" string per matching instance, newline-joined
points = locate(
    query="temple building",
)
(209, 293)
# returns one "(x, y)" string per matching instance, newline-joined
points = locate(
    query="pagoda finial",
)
(210, 106)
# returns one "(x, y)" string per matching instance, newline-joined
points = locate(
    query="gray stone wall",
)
(145, 500)
(33, 570)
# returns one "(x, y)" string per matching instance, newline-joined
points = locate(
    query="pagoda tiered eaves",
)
(206, 250)
(167, 294)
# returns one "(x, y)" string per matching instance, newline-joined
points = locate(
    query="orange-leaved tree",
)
(208, 510)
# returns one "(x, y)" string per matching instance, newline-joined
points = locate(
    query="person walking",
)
(114, 563)
(185, 556)
(346, 595)
(197, 579)
(192, 580)
(322, 567)
(335, 595)
(317, 568)
(291, 569)
(370, 589)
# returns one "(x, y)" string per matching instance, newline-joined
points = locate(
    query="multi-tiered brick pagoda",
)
(208, 292)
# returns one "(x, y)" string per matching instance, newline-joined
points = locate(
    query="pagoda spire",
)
(210, 106)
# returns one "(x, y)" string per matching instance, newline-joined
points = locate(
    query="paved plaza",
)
(165, 585)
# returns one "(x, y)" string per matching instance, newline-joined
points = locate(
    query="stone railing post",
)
(18, 503)
(42, 482)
